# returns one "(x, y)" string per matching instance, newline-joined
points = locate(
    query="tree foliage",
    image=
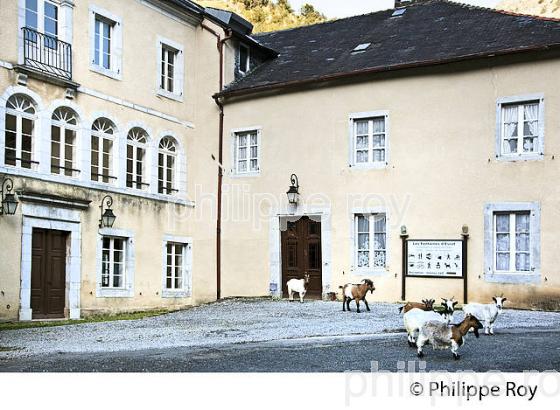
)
(545, 8)
(269, 15)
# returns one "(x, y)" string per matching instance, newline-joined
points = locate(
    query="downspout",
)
(220, 44)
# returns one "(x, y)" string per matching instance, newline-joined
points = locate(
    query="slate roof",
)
(429, 32)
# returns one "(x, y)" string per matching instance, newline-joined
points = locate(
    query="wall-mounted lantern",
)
(293, 192)
(9, 201)
(107, 217)
(404, 231)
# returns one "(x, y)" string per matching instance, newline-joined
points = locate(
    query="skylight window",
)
(398, 12)
(360, 48)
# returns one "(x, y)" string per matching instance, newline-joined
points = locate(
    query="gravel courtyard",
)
(229, 322)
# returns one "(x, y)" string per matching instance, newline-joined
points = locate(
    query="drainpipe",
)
(220, 44)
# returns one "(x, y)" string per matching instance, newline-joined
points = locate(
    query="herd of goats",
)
(422, 323)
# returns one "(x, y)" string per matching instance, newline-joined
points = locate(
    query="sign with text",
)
(435, 258)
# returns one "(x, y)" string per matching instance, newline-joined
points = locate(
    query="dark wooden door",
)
(301, 254)
(48, 273)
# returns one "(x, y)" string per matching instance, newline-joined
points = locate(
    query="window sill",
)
(374, 165)
(172, 96)
(245, 174)
(107, 73)
(370, 272)
(513, 278)
(520, 157)
(114, 293)
(175, 294)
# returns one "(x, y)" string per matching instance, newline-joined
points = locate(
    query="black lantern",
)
(9, 201)
(293, 192)
(107, 217)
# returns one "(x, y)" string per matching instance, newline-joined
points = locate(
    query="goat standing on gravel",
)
(427, 305)
(357, 292)
(442, 336)
(487, 313)
(299, 286)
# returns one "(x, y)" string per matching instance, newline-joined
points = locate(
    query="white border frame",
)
(116, 70)
(275, 246)
(518, 99)
(535, 242)
(352, 117)
(179, 74)
(130, 258)
(47, 217)
(233, 151)
(186, 292)
(369, 271)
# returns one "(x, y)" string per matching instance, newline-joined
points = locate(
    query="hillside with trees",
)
(545, 8)
(269, 15)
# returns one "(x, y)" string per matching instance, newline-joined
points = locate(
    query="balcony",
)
(47, 54)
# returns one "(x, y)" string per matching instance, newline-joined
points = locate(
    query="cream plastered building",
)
(109, 98)
(189, 129)
(422, 118)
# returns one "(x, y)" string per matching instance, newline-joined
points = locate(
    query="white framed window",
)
(167, 166)
(103, 135)
(136, 144)
(42, 16)
(105, 42)
(171, 68)
(21, 115)
(115, 263)
(370, 247)
(177, 266)
(369, 139)
(64, 128)
(512, 242)
(246, 151)
(520, 127)
(113, 268)
(244, 59)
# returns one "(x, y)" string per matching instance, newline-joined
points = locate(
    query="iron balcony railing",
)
(47, 54)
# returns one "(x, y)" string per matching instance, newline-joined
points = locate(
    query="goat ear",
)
(454, 303)
(494, 299)
(504, 299)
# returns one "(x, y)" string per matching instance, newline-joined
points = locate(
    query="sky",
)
(345, 8)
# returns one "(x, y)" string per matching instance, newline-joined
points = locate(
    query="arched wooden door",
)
(301, 253)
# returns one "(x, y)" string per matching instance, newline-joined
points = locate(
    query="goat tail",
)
(401, 308)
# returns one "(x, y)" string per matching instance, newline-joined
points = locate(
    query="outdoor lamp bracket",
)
(107, 216)
(293, 191)
(8, 199)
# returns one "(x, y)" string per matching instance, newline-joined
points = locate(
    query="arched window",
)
(20, 125)
(102, 141)
(167, 163)
(135, 158)
(64, 127)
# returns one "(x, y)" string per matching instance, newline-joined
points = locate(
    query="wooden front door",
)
(48, 273)
(301, 254)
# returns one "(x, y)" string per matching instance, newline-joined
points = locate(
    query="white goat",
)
(487, 313)
(415, 318)
(299, 286)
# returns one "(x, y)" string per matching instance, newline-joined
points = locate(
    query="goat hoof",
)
(456, 356)
(411, 344)
(420, 354)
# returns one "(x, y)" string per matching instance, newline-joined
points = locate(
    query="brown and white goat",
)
(298, 285)
(427, 305)
(357, 292)
(443, 336)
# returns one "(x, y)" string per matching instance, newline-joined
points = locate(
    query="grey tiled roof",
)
(429, 32)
